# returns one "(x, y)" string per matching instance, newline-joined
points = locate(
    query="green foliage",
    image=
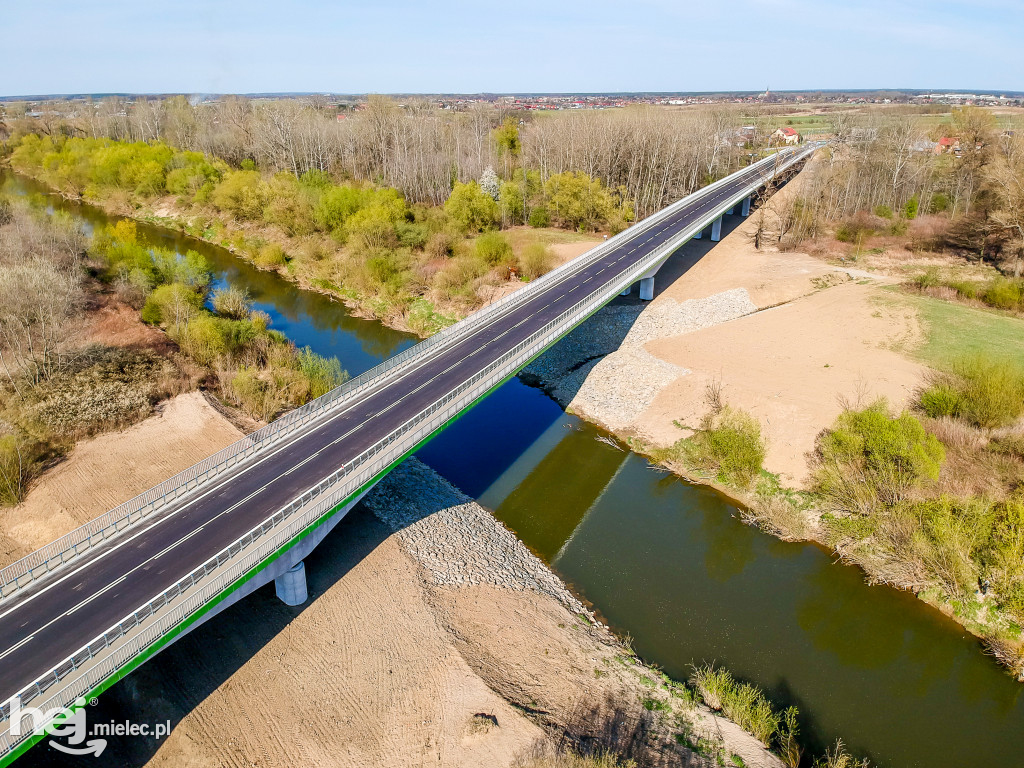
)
(940, 203)
(270, 256)
(576, 201)
(470, 208)
(539, 217)
(930, 278)
(243, 194)
(231, 302)
(493, 249)
(911, 208)
(1005, 294)
(204, 338)
(870, 456)
(883, 211)
(19, 463)
(535, 260)
(987, 393)
(742, 703)
(172, 305)
(728, 444)
(322, 373)
(506, 138)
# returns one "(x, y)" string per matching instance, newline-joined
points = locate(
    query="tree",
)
(472, 209)
(489, 183)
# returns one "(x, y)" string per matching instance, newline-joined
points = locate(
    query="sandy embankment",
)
(432, 637)
(787, 335)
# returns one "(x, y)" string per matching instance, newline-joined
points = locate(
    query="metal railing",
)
(118, 647)
(23, 572)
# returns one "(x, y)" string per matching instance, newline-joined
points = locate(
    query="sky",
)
(450, 46)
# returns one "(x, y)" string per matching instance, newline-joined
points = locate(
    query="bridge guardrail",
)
(236, 560)
(24, 571)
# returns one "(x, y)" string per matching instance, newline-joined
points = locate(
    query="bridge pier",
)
(699, 235)
(626, 290)
(716, 230)
(647, 289)
(745, 210)
(290, 586)
(731, 211)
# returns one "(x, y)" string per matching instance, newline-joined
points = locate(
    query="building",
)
(784, 135)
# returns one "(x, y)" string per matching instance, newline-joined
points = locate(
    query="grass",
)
(742, 703)
(954, 331)
(728, 446)
(986, 393)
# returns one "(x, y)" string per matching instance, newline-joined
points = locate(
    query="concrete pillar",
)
(745, 210)
(716, 229)
(699, 235)
(626, 290)
(731, 211)
(291, 585)
(647, 288)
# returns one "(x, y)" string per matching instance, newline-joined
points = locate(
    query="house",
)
(947, 145)
(784, 135)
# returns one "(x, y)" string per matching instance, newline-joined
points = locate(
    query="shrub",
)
(883, 211)
(442, 245)
(535, 260)
(987, 393)
(18, 464)
(928, 279)
(539, 217)
(966, 289)
(472, 209)
(910, 209)
(243, 194)
(1004, 294)
(940, 203)
(171, 305)
(231, 302)
(729, 443)
(941, 400)
(253, 394)
(270, 256)
(203, 338)
(493, 249)
(322, 373)
(870, 456)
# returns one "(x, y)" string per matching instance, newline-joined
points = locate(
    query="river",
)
(670, 563)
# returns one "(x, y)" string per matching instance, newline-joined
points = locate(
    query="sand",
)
(100, 473)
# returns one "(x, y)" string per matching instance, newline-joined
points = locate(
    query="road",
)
(42, 628)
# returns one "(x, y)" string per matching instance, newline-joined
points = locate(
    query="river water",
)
(670, 564)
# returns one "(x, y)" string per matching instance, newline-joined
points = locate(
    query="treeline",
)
(883, 171)
(654, 155)
(362, 241)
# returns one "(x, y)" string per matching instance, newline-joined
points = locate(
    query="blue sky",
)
(431, 46)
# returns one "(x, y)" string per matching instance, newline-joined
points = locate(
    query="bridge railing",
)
(109, 654)
(23, 572)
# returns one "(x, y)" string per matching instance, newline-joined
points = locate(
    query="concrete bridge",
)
(81, 613)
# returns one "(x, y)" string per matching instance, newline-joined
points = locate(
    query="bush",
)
(535, 260)
(986, 393)
(18, 464)
(203, 338)
(253, 394)
(539, 217)
(941, 400)
(442, 245)
(1004, 294)
(231, 302)
(243, 194)
(940, 203)
(870, 456)
(729, 443)
(322, 373)
(883, 211)
(911, 208)
(493, 249)
(928, 279)
(171, 305)
(270, 256)
(472, 209)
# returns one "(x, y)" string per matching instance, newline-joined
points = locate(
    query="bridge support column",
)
(745, 210)
(647, 288)
(626, 290)
(699, 235)
(731, 211)
(716, 229)
(291, 585)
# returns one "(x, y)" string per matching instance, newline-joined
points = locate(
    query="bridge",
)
(81, 613)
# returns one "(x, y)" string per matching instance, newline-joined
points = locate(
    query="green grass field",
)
(955, 331)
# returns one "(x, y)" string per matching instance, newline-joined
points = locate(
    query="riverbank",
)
(447, 642)
(793, 339)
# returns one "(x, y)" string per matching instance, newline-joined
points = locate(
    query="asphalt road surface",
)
(40, 629)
